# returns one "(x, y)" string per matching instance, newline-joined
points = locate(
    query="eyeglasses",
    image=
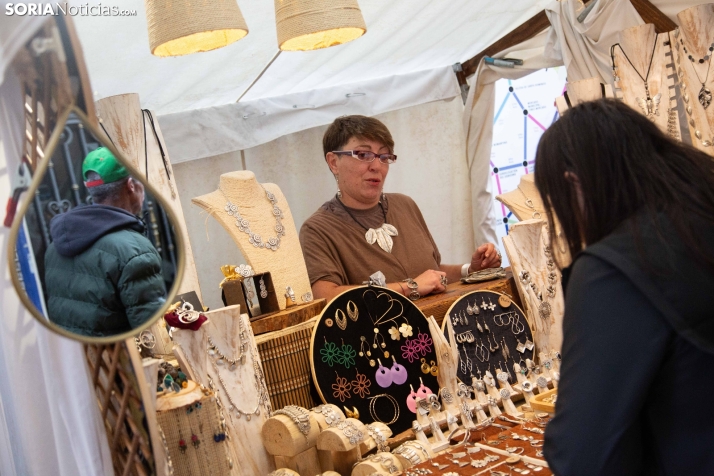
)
(367, 156)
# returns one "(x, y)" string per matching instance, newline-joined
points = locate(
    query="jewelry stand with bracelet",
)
(291, 436)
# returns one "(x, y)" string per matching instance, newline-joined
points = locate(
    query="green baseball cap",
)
(103, 162)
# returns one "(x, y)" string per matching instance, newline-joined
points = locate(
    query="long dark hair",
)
(625, 165)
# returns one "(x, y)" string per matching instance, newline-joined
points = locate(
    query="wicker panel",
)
(119, 401)
(285, 356)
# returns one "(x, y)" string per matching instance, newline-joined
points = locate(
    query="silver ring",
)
(444, 281)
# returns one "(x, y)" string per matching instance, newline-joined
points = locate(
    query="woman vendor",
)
(362, 230)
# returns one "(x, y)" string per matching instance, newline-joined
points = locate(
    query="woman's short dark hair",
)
(625, 165)
(362, 127)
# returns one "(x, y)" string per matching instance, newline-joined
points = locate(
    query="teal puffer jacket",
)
(102, 276)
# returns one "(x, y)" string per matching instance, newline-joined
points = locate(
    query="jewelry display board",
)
(222, 356)
(693, 52)
(371, 349)
(584, 90)
(491, 332)
(641, 66)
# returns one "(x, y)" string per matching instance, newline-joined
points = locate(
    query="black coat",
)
(636, 388)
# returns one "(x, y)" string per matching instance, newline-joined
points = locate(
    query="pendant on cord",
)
(383, 236)
(650, 105)
(705, 96)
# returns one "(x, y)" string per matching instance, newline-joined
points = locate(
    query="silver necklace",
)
(705, 95)
(220, 358)
(244, 226)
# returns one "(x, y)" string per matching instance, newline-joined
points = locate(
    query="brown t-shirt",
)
(336, 250)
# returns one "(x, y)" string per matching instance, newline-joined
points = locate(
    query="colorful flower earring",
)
(399, 373)
(383, 376)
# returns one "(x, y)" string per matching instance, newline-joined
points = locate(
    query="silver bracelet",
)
(332, 418)
(351, 432)
(465, 270)
(298, 415)
(413, 289)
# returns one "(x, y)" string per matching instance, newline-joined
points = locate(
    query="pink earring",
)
(399, 373)
(423, 391)
(383, 376)
(411, 400)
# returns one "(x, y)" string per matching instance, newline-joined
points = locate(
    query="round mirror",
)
(93, 249)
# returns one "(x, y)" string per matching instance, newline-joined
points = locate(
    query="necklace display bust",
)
(585, 90)
(285, 261)
(696, 74)
(645, 82)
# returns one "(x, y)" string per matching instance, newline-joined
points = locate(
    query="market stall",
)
(269, 378)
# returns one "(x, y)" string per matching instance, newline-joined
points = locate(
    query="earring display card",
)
(491, 333)
(371, 350)
(255, 294)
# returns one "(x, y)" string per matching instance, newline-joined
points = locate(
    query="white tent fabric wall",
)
(431, 168)
(584, 47)
(49, 419)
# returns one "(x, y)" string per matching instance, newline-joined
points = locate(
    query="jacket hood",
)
(75, 231)
(650, 253)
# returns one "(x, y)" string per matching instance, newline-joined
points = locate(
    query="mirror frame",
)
(26, 202)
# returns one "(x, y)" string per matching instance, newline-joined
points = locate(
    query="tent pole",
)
(259, 76)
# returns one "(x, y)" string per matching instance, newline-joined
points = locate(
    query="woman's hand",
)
(486, 256)
(430, 281)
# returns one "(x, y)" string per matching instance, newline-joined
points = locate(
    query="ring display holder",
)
(492, 334)
(372, 351)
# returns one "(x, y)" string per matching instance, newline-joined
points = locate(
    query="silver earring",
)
(339, 192)
(263, 289)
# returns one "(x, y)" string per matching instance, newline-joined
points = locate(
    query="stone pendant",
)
(705, 96)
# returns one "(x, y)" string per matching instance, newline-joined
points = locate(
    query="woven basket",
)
(209, 457)
(312, 24)
(285, 355)
(181, 27)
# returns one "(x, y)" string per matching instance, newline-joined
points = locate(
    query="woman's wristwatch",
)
(413, 286)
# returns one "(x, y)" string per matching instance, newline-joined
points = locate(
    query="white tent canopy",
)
(404, 59)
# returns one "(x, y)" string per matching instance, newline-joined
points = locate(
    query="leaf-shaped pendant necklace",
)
(382, 235)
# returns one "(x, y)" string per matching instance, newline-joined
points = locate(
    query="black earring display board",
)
(505, 324)
(387, 311)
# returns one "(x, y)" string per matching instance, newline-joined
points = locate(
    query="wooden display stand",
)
(696, 30)
(291, 448)
(121, 116)
(343, 453)
(524, 245)
(224, 327)
(640, 44)
(371, 466)
(287, 264)
(578, 92)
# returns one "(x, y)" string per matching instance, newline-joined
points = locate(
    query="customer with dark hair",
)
(363, 230)
(102, 275)
(637, 210)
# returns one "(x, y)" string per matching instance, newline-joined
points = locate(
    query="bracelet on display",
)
(484, 275)
(332, 418)
(298, 415)
(408, 453)
(413, 289)
(379, 438)
(465, 270)
(351, 432)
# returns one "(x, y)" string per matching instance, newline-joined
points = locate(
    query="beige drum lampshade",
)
(313, 24)
(181, 27)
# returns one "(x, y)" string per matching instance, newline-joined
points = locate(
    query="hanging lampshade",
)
(181, 27)
(313, 24)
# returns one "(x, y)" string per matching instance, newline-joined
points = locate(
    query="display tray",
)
(538, 404)
(355, 344)
(498, 332)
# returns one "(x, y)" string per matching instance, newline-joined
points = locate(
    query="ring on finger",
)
(444, 281)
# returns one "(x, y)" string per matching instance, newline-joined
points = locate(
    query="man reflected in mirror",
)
(102, 275)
